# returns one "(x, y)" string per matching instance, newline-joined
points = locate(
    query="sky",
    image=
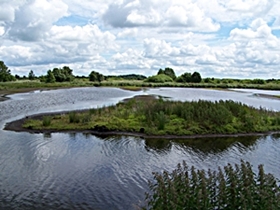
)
(217, 38)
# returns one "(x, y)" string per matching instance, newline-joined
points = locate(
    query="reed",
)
(231, 188)
(74, 117)
(47, 121)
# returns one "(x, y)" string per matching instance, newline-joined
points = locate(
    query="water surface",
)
(83, 171)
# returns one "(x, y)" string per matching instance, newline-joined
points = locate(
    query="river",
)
(83, 171)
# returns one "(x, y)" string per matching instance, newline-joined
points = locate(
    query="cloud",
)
(258, 30)
(158, 14)
(33, 19)
(218, 38)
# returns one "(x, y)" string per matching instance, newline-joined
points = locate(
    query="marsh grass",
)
(163, 117)
(25, 85)
(231, 188)
(47, 120)
(74, 117)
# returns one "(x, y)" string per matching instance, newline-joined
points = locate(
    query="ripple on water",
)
(82, 171)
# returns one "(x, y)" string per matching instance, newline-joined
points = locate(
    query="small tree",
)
(160, 71)
(170, 72)
(167, 71)
(50, 77)
(5, 73)
(186, 77)
(31, 75)
(196, 77)
(96, 77)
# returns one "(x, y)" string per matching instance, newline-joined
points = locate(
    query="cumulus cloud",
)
(33, 19)
(154, 13)
(218, 38)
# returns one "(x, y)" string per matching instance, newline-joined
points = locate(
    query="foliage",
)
(168, 71)
(126, 77)
(31, 75)
(73, 117)
(188, 77)
(160, 78)
(96, 77)
(47, 120)
(63, 75)
(161, 117)
(229, 188)
(50, 77)
(5, 73)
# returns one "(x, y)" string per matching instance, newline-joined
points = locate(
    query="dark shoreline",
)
(17, 127)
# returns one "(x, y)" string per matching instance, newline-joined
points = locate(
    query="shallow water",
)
(83, 171)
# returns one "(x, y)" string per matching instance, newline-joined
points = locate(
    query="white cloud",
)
(258, 30)
(154, 13)
(35, 18)
(219, 38)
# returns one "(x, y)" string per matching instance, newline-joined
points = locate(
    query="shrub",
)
(160, 78)
(47, 120)
(231, 188)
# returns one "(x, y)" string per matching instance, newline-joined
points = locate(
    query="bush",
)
(231, 188)
(160, 78)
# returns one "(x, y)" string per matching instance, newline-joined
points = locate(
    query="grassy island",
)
(150, 116)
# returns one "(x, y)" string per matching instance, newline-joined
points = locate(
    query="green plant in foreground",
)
(229, 188)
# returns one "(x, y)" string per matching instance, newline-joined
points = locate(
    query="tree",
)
(188, 77)
(31, 75)
(161, 78)
(50, 77)
(170, 72)
(196, 77)
(167, 71)
(160, 71)
(5, 73)
(63, 75)
(96, 77)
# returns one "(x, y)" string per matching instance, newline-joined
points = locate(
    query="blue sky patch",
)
(72, 20)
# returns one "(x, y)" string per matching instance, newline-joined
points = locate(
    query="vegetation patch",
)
(231, 188)
(163, 117)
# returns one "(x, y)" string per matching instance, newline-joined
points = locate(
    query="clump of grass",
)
(47, 121)
(86, 118)
(161, 118)
(73, 117)
(228, 188)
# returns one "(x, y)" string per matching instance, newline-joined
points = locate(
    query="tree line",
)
(65, 74)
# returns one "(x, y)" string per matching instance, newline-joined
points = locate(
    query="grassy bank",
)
(25, 85)
(159, 117)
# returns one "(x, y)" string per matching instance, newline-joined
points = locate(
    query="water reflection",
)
(205, 145)
(85, 171)
(158, 145)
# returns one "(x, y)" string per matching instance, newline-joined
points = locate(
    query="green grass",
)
(27, 85)
(159, 117)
